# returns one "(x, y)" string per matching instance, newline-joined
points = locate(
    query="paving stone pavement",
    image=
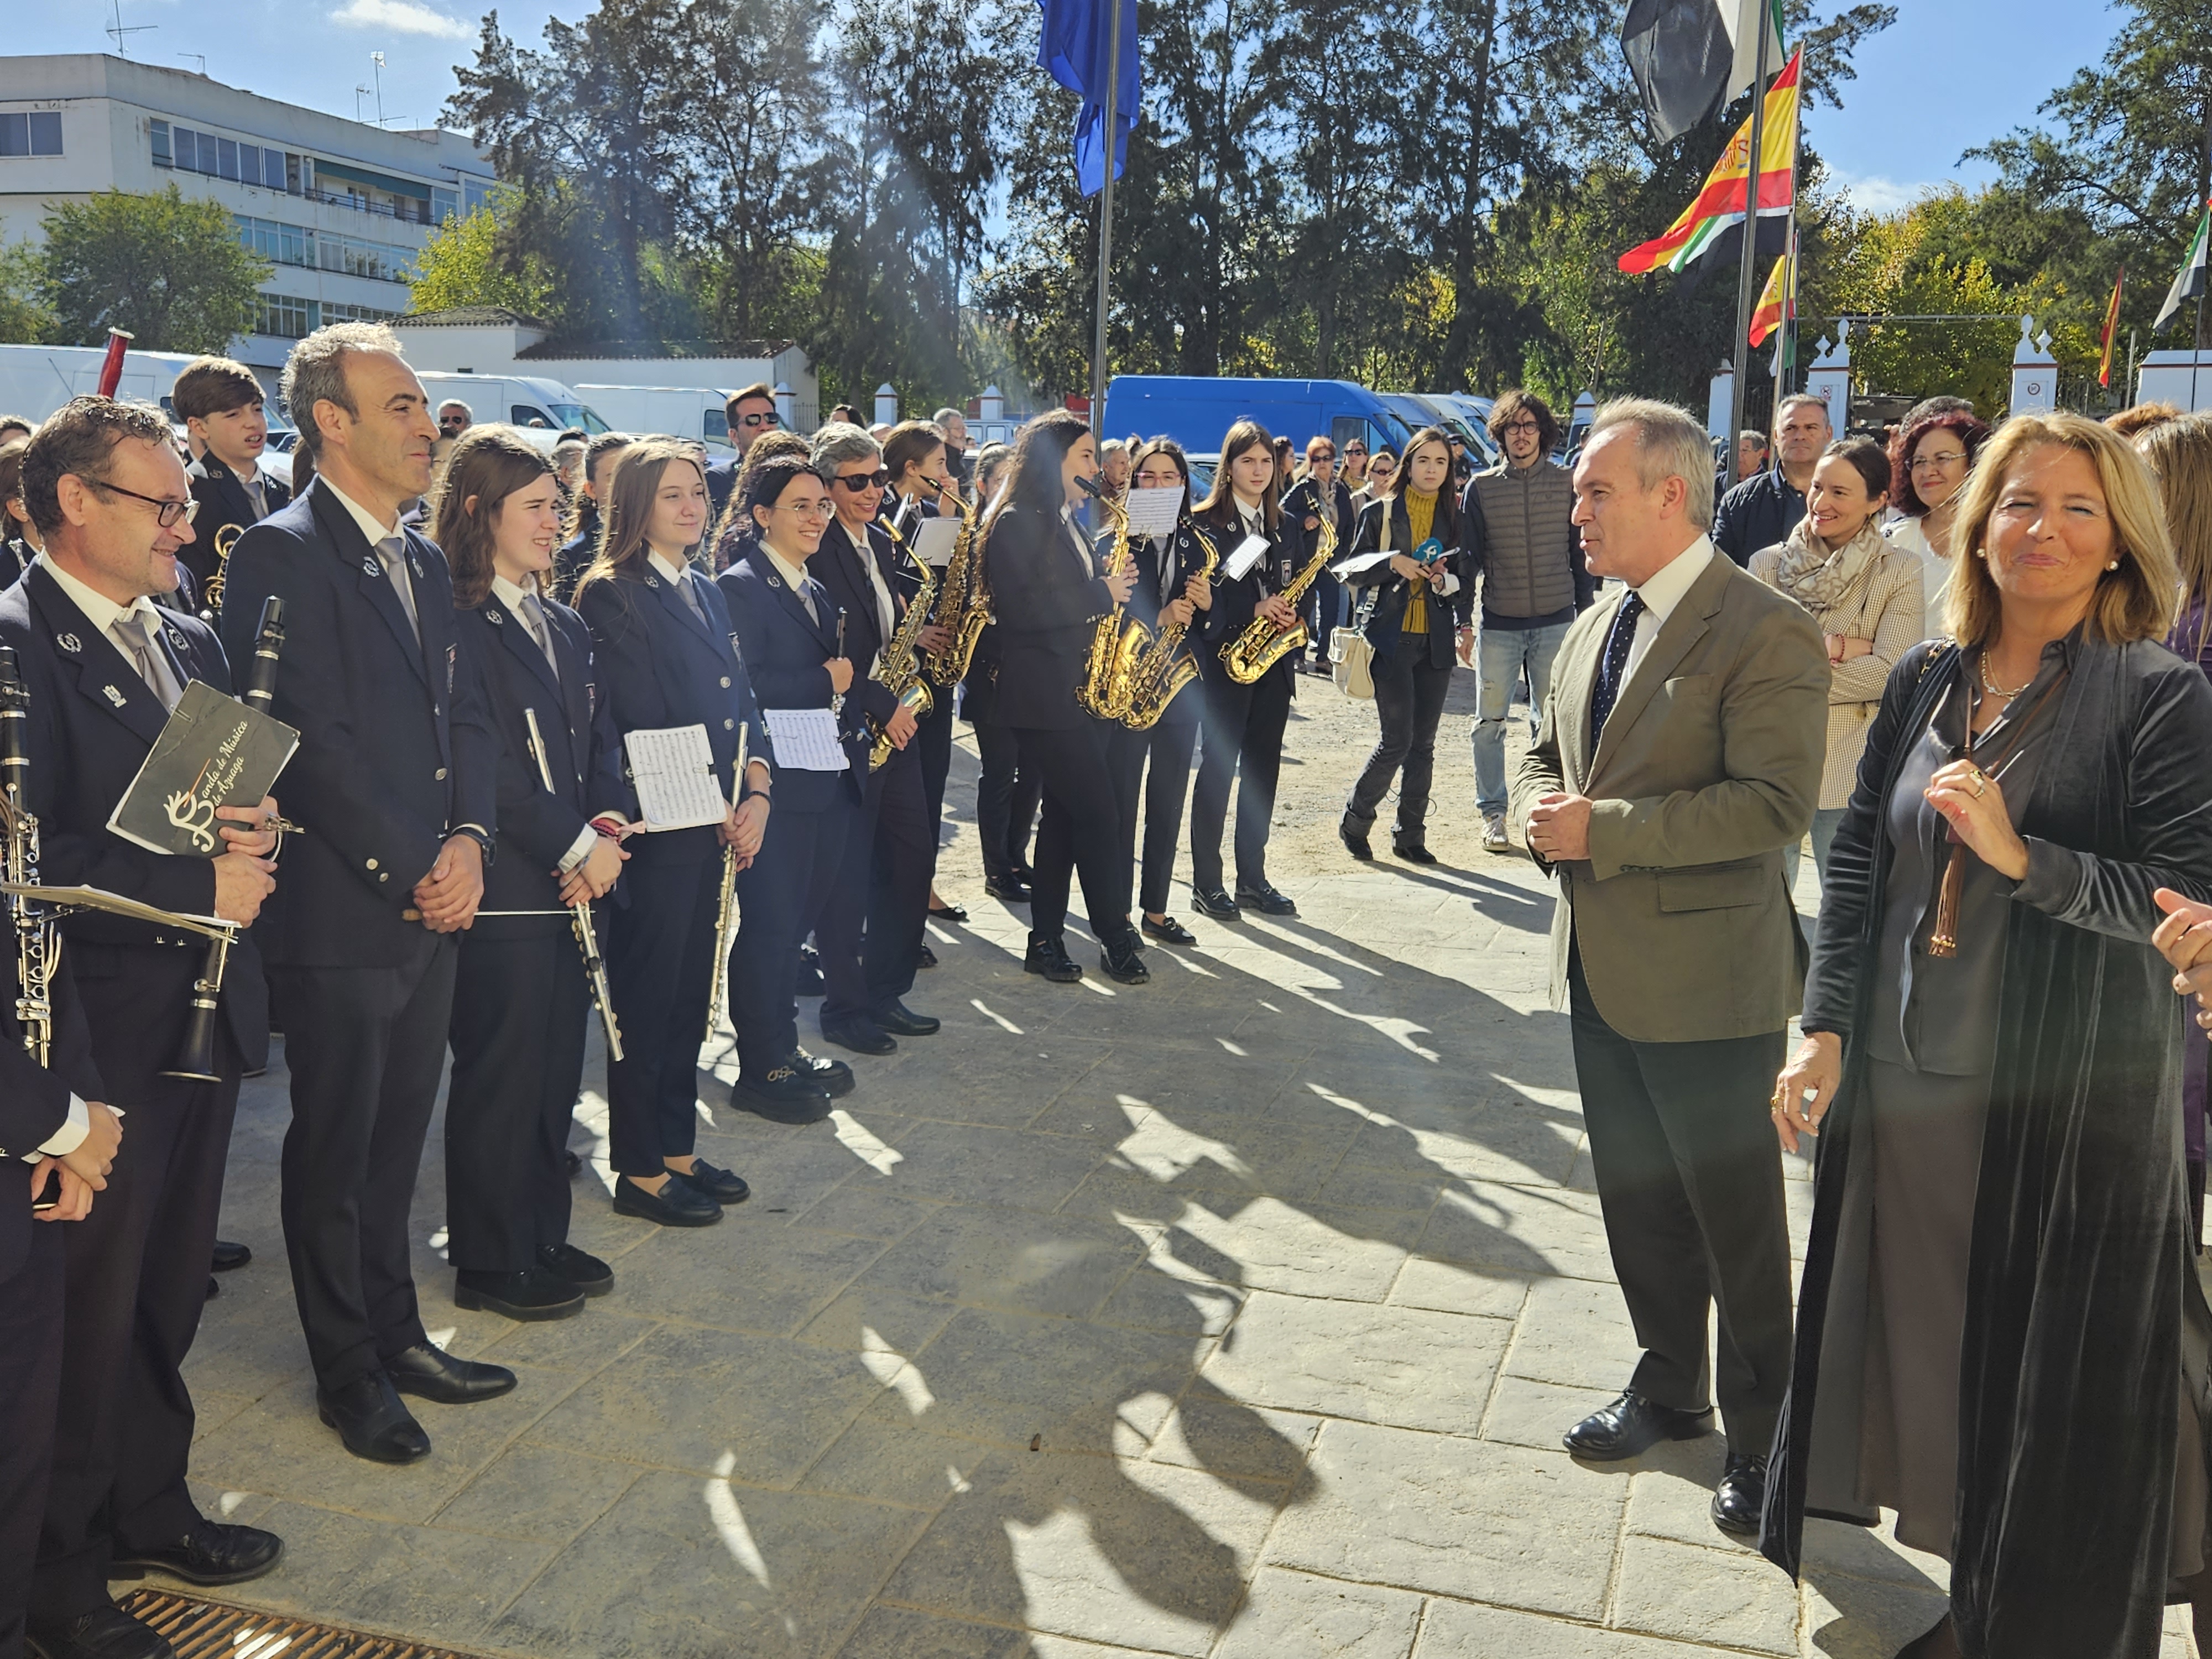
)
(1237, 1314)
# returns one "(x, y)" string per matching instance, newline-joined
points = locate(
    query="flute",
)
(580, 913)
(726, 908)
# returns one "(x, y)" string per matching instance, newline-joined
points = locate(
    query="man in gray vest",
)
(1532, 583)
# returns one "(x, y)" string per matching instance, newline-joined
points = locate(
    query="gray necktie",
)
(690, 597)
(391, 554)
(807, 600)
(134, 632)
(533, 618)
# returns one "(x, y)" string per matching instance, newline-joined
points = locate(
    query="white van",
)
(675, 411)
(35, 380)
(542, 409)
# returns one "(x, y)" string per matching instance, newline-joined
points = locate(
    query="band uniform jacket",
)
(1155, 586)
(395, 747)
(836, 569)
(788, 652)
(223, 501)
(658, 666)
(583, 754)
(92, 723)
(34, 1103)
(1236, 602)
(1046, 608)
(1709, 766)
(1385, 627)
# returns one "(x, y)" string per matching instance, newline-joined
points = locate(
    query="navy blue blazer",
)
(1046, 610)
(1235, 602)
(583, 752)
(223, 501)
(836, 569)
(788, 653)
(33, 1103)
(93, 721)
(1185, 560)
(659, 666)
(396, 750)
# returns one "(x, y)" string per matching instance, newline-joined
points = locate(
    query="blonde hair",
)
(2179, 455)
(628, 509)
(2136, 602)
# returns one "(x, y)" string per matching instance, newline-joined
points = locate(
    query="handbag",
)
(1350, 655)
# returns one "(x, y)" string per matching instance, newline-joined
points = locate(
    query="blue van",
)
(1196, 411)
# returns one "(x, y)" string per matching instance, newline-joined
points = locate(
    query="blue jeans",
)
(1501, 656)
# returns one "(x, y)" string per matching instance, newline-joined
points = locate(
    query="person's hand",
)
(1412, 569)
(1200, 592)
(95, 1155)
(900, 727)
(2185, 939)
(592, 878)
(1806, 1085)
(1973, 806)
(1312, 523)
(1122, 583)
(841, 673)
(936, 636)
(1177, 613)
(1843, 647)
(747, 825)
(75, 1201)
(1466, 647)
(1559, 826)
(241, 882)
(257, 839)
(1277, 610)
(447, 897)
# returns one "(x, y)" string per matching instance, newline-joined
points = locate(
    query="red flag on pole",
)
(111, 370)
(2111, 329)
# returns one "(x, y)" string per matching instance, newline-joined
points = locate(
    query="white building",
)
(338, 207)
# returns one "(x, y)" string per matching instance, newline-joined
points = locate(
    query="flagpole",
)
(1744, 290)
(1106, 226)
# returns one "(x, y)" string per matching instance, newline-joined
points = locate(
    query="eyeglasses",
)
(770, 419)
(817, 510)
(1938, 463)
(165, 513)
(1378, 465)
(1523, 426)
(858, 482)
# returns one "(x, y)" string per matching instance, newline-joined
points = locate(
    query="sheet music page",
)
(933, 543)
(805, 740)
(1249, 553)
(673, 767)
(1152, 512)
(1359, 562)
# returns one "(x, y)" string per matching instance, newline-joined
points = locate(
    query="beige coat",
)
(1710, 766)
(1891, 612)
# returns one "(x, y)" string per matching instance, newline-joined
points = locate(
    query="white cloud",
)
(1868, 193)
(404, 17)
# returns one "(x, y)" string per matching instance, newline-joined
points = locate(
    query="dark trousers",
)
(1690, 1178)
(1080, 830)
(780, 898)
(1409, 700)
(365, 1046)
(660, 961)
(1324, 606)
(1244, 738)
(870, 928)
(934, 738)
(138, 1270)
(1168, 746)
(1007, 797)
(30, 1384)
(519, 1008)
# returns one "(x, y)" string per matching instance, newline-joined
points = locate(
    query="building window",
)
(444, 204)
(336, 310)
(38, 132)
(283, 316)
(162, 154)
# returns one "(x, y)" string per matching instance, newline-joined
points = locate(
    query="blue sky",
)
(1948, 74)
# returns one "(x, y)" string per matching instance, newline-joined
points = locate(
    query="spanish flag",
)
(1777, 299)
(1719, 205)
(2111, 329)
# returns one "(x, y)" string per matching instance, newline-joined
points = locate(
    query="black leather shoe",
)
(1168, 931)
(1412, 852)
(782, 1094)
(369, 1417)
(431, 1373)
(1356, 845)
(948, 913)
(586, 1273)
(532, 1294)
(104, 1633)
(834, 1076)
(212, 1553)
(900, 1020)
(1741, 1497)
(1632, 1424)
(859, 1034)
(723, 1186)
(1008, 889)
(1122, 962)
(1266, 900)
(1049, 957)
(228, 1257)
(678, 1204)
(1213, 902)
(925, 958)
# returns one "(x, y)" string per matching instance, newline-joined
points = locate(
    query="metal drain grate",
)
(199, 1629)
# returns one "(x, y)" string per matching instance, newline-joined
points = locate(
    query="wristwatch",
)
(483, 839)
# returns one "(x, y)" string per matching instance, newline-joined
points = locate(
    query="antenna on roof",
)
(117, 32)
(199, 57)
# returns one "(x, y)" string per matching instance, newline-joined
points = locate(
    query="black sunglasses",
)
(770, 419)
(857, 482)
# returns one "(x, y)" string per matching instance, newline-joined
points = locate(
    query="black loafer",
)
(678, 1204)
(1121, 961)
(859, 1034)
(834, 1076)
(1632, 1424)
(533, 1294)
(1354, 844)
(1168, 931)
(1267, 901)
(948, 913)
(212, 1553)
(900, 1020)
(372, 1422)
(1215, 903)
(925, 958)
(228, 1257)
(431, 1373)
(1008, 889)
(1740, 1498)
(781, 1095)
(106, 1633)
(723, 1186)
(1412, 852)
(586, 1273)
(1049, 958)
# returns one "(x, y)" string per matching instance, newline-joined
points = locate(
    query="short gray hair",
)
(1670, 443)
(315, 372)
(1113, 446)
(1799, 400)
(948, 413)
(841, 442)
(445, 404)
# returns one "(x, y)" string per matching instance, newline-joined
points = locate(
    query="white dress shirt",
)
(886, 612)
(796, 575)
(103, 613)
(1664, 590)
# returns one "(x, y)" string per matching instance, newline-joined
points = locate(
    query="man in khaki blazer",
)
(1679, 754)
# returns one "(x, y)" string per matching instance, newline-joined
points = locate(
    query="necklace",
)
(1996, 691)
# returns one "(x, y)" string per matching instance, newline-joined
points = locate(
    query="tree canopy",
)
(167, 269)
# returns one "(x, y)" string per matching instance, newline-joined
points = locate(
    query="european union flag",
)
(1077, 50)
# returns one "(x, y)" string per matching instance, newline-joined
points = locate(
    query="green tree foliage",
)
(168, 270)
(465, 263)
(24, 319)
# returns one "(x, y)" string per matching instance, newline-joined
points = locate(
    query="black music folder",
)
(214, 752)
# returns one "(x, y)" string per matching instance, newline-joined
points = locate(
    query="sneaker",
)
(1494, 838)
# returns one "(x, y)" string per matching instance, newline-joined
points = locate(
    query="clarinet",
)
(196, 1055)
(38, 941)
(580, 913)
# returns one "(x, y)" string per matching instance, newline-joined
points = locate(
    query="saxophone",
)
(900, 667)
(1119, 640)
(962, 606)
(211, 596)
(1163, 667)
(1263, 644)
